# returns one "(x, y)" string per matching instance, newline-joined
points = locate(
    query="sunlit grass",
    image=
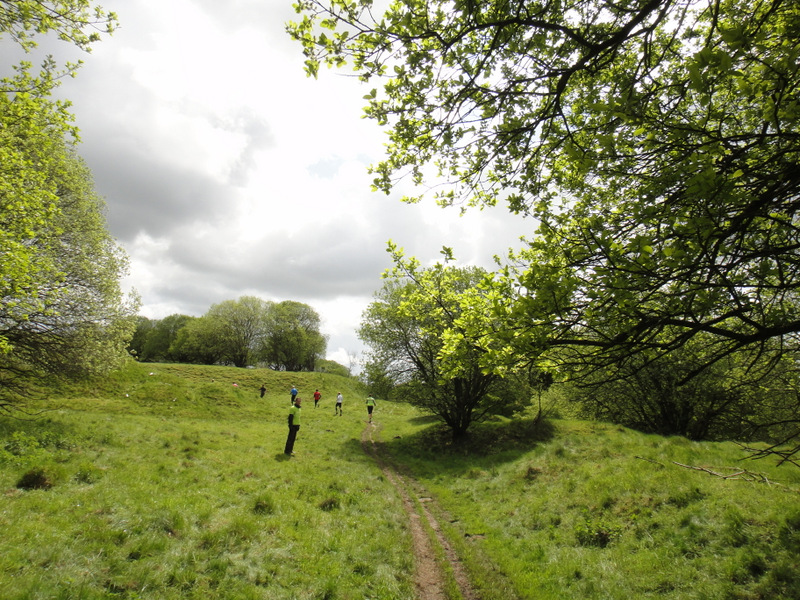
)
(583, 510)
(155, 498)
(174, 485)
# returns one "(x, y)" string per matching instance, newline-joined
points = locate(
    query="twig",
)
(742, 474)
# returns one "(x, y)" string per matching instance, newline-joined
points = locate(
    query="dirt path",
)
(429, 576)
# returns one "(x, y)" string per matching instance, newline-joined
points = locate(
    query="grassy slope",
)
(589, 510)
(173, 485)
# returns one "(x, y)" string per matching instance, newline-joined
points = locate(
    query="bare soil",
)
(429, 575)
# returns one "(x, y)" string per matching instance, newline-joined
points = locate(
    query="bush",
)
(666, 395)
(35, 479)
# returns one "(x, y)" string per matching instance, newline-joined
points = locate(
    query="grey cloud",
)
(144, 195)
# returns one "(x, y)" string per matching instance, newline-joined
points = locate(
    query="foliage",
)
(406, 327)
(292, 340)
(243, 332)
(656, 144)
(377, 378)
(239, 328)
(733, 399)
(75, 21)
(32, 157)
(157, 338)
(198, 342)
(62, 311)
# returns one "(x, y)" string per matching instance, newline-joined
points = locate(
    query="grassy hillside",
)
(167, 481)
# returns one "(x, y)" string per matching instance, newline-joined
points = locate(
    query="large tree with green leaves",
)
(406, 328)
(293, 341)
(240, 327)
(154, 340)
(656, 142)
(199, 341)
(61, 310)
(65, 314)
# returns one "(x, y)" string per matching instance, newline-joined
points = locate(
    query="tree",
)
(652, 394)
(143, 328)
(293, 341)
(406, 326)
(199, 341)
(240, 328)
(35, 140)
(69, 317)
(160, 337)
(656, 144)
(75, 21)
(61, 311)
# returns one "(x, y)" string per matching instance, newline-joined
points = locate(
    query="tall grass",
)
(571, 509)
(174, 485)
(171, 485)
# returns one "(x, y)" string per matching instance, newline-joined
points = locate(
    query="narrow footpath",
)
(429, 577)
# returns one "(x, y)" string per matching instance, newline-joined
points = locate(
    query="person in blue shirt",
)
(294, 394)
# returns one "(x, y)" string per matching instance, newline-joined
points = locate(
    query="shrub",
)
(35, 479)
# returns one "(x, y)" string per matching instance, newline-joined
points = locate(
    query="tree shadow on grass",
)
(424, 420)
(486, 445)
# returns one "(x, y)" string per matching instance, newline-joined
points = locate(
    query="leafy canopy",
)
(655, 142)
(414, 316)
(61, 310)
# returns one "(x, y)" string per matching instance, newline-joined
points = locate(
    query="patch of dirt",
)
(429, 577)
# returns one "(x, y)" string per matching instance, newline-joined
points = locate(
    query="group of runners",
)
(295, 409)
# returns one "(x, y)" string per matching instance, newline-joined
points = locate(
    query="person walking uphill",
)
(338, 409)
(294, 394)
(317, 396)
(294, 427)
(370, 406)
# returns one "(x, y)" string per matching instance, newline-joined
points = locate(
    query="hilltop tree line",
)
(249, 331)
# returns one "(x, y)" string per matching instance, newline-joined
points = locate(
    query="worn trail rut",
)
(429, 577)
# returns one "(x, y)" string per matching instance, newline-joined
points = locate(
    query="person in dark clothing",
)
(263, 389)
(294, 426)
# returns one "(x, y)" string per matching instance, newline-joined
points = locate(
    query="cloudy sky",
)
(227, 172)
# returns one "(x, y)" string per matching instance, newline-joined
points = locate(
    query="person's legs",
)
(290, 440)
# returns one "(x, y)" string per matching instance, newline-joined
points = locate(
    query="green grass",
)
(587, 510)
(167, 493)
(174, 485)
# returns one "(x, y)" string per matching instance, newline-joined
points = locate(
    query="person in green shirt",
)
(370, 406)
(294, 426)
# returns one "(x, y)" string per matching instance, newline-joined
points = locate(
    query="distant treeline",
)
(283, 336)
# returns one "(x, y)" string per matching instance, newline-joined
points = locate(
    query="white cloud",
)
(227, 172)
